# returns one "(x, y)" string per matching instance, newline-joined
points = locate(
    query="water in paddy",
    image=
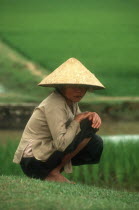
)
(107, 129)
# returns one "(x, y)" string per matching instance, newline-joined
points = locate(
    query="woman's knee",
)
(86, 126)
(85, 123)
(97, 148)
(97, 142)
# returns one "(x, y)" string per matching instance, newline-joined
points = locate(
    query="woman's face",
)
(74, 93)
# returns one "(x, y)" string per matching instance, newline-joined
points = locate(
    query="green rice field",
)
(103, 35)
(36, 36)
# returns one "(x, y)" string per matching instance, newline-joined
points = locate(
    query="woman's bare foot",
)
(56, 177)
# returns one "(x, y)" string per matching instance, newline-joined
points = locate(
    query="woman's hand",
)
(96, 120)
(92, 116)
(81, 116)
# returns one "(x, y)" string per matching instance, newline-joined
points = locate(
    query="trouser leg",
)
(38, 169)
(91, 153)
(78, 144)
(86, 132)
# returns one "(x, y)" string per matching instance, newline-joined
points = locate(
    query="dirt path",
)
(17, 58)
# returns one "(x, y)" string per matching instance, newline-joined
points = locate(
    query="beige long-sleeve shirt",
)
(51, 127)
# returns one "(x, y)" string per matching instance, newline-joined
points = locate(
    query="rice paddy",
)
(104, 36)
(118, 167)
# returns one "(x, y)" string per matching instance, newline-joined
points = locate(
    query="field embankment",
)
(24, 193)
(125, 113)
(19, 77)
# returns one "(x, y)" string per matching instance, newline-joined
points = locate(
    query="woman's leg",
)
(55, 174)
(91, 153)
(50, 170)
(78, 144)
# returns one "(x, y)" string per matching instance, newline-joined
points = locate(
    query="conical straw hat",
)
(71, 72)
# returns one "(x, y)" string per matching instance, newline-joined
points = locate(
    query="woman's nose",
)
(79, 90)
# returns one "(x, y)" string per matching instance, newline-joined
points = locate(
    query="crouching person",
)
(58, 135)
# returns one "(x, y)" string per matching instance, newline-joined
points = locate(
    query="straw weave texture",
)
(71, 72)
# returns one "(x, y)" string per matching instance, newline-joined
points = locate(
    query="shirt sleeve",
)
(62, 135)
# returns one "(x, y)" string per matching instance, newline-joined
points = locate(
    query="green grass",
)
(118, 167)
(104, 35)
(24, 193)
(18, 84)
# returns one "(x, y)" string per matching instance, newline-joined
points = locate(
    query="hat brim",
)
(72, 72)
(90, 88)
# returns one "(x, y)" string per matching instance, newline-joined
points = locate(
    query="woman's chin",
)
(77, 99)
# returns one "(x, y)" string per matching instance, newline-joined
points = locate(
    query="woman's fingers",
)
(92, 116)
(96, 121)
(96, 125)
(82, 116)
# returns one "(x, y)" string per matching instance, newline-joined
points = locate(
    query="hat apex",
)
(71, 72)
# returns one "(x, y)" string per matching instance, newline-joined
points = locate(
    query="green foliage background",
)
(103, 35)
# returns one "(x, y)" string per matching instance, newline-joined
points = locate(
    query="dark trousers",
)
(90, 154)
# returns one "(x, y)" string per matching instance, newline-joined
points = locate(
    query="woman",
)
(58, 135)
